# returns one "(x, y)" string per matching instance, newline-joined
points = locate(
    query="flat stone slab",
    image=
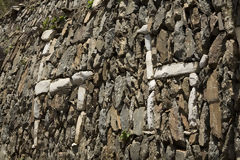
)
(42, 87)
(61, 85)
(176, 69)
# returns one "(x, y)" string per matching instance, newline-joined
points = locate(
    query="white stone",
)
(42, 87)
(81, 98)
(143, 29)
(203, 61)
(150, 105)
(79, 127)
(147, 38)
(61, 85)
(37, 107)
(192, 108)
(149, 65)
(46, 49)
(176, 69)
(96, 3)
(40, 70)
(35, 132)
(151, 85)
(80, 77)
(193, 79)
(48, 35)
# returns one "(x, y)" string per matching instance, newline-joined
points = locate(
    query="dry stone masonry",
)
(108, 79)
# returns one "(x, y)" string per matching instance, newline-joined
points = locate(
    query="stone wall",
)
(120, 80)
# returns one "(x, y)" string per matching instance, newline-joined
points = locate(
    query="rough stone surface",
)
(120, 79)
(138, 118)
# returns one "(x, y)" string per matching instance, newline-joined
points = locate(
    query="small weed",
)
(124, 136)
(23, 61)
(53, 23)
(90, 3)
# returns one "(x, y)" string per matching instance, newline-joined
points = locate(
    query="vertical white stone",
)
(149, 65)
(150, 105)
(192, 108)
(193, 79)
(35, 132)
(147, 38)
(36, 108)
(81, 98)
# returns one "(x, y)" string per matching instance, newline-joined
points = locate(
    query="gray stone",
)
(81, 98)
(159, 17)
(176, 69)
(80, 77)
(42, 87)
(60, 85)
(179, 39)
(65, 64)
(48, 35)
(124, 117)
(190, 44)
(119, 87)
(81, 34)
(162, 45)
(102, 124)
(135, 150)
(139, 120)
(204, 125)
(192, 108)
(213, 152)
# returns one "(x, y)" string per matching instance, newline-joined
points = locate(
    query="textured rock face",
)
(116, 79)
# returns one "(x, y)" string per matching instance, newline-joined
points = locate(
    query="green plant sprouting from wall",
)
(53, 23)
(90, 3)
(124, 136)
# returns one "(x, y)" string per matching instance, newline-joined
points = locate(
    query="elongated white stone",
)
(60, 85)
(37, 106)
(176, 69)
(35, 132)
(149, 65)
(80, 77)
(79, 127)
(81, 98)
(192, 108)
(147, 38)
(42, 87)
(150, 105)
